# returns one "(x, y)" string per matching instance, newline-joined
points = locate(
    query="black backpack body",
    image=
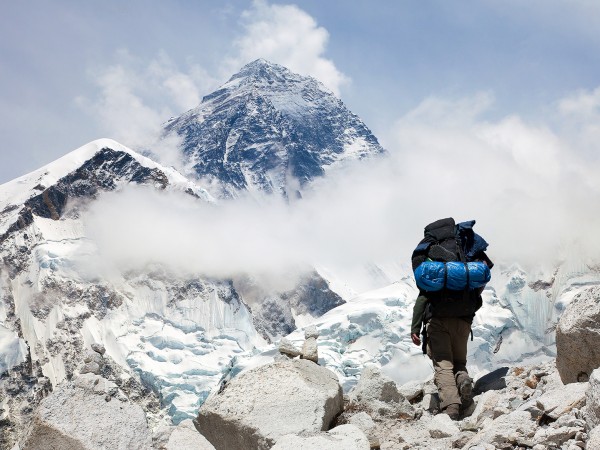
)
(444, 243)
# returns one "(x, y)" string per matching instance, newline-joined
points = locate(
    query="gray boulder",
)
(512, 429)
(378, 395)
(592, 405)
(286, 347)
(577, 350)
(81, 415)
(484, 409)
(594, 438)
(344, 437)
(186, 437)
(411, 390)
(255, 409)
(310, 350)
(442, 426)
(90, 367)
(559, 401)
(366, 424)
(311, 332)
(98, 348)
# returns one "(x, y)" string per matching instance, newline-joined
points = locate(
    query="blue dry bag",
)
(433, 276)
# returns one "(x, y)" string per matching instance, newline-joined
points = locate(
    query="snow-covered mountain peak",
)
(101, 165)
(272, 78)
(261, 69)
(19, 190)
(269, 129)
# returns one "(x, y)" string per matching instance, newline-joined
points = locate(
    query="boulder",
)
(310, 350)
(411, 390)
(344, 437)
(515, 428)
(594, 438)
(592, 404)
(98, 348)
(255, 409)
(366, 424)
(379, 395)
(554, 437)
(90, 367)
(442, 426)
(577, 351)
(559, 401)
(286, 347)
(81, 415)
(311, 332)
(485, 408)
(186, 437)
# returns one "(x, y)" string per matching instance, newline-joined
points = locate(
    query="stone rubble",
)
(548, 416)
(295, 404)
(344, 437)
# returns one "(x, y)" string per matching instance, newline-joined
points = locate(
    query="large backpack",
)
(445, 241)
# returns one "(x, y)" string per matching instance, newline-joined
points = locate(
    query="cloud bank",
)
(533, 195)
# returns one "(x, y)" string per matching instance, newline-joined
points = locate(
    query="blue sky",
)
(75, 71)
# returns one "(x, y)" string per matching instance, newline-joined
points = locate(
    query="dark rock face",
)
(271, 130)
(272, 311)
(100, 173)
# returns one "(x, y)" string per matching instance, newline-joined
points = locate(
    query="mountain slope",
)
(176, 333)
(268, 129)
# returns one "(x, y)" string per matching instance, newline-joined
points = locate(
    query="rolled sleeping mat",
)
(433, 276)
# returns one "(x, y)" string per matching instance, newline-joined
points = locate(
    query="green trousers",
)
(447, 348)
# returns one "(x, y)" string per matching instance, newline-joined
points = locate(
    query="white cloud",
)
(521, 180)
(121, 111)
(135, 98)
(580, 119)
(287, 35)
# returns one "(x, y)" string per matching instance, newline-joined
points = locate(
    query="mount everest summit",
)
(271, 130)
(171, 337)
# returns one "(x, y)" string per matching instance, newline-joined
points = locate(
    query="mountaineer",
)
(451, 270)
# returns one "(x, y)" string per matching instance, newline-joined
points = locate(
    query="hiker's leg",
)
(439, 349)
(461, 330)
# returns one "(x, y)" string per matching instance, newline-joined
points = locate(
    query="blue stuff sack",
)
(433, 276)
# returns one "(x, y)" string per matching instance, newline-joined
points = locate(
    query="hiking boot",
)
(467, 410)
(465, 389)
(453, 410)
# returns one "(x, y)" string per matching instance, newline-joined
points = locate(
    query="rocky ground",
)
(296, 404)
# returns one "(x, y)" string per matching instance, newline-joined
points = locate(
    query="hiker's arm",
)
(417, 320)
